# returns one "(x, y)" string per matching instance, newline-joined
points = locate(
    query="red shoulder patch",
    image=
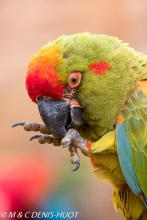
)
(100, 68)
(88, 144)
(120, 119)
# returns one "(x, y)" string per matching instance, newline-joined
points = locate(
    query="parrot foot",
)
(43, 139)
(74, 141)
(73, 138)
(30, 126)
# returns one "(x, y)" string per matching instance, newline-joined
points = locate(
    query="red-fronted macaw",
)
(91, 91)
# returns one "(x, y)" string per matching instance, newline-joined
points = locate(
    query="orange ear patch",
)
(100, 68)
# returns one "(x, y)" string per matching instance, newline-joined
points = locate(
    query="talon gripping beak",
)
(54, 114)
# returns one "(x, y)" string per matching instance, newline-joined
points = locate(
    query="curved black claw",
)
(19, 123)
(77, 166)
(36, 136)
(66, 144)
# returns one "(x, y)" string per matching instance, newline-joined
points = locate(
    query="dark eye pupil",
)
(74, 80)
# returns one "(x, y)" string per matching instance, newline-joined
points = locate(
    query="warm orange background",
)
(25, 26)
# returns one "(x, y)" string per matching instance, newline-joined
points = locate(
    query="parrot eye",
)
(74, 79)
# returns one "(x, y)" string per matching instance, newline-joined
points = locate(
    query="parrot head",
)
(81, 81)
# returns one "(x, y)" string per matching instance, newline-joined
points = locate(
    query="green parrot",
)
(91, 91)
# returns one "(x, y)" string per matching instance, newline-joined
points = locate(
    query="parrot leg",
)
(29, 126)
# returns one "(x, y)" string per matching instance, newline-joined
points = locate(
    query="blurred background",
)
(38, 177)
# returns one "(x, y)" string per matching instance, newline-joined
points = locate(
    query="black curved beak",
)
(58, 116)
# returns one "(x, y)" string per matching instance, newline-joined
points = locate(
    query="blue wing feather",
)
(124, 153)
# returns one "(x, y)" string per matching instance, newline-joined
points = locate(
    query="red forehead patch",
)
(100, 68)
(42, 78)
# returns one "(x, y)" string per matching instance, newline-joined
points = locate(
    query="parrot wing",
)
(131, 138)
